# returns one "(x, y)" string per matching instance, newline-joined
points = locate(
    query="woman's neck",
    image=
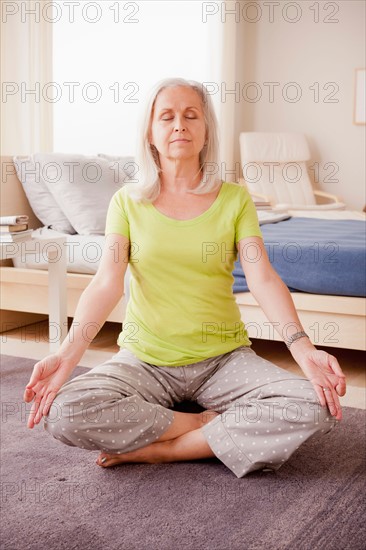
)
(179, 177)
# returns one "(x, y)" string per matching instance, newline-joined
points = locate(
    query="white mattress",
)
(83, 252)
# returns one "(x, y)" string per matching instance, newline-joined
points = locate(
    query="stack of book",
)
(14, 229)
(261, 204)
(266, 214)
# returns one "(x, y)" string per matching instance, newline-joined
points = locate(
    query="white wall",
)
(306, 52)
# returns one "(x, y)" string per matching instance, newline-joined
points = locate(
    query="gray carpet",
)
(55, 496)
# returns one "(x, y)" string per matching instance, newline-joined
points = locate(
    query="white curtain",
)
(26, 66)
(223, 34)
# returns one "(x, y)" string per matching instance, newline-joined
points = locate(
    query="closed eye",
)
(189, 117)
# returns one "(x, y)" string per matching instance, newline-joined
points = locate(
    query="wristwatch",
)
(295, 337)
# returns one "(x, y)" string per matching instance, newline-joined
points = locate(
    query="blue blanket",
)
(315, 255)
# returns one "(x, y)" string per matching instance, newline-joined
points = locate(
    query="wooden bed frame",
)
(334, 321)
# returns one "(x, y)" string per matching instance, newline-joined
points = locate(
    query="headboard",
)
(13, 200)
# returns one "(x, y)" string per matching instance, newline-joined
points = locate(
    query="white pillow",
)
(39, 196)
(83, 253)
(83, 187)
(127, 164)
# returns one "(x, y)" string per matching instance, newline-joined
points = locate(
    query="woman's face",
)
(178, 128)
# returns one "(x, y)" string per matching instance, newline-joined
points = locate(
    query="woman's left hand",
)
(324, 372)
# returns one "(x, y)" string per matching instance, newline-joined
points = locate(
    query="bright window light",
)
(105, 68)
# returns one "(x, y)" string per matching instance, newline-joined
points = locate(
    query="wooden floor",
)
(32, 341)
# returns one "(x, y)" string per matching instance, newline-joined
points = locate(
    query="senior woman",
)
(180, 228)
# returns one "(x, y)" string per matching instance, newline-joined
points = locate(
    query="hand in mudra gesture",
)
(324, 372)
(47, 377)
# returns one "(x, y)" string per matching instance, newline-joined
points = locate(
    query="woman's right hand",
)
(48, 376)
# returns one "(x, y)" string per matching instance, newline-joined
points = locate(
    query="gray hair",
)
(148, 185)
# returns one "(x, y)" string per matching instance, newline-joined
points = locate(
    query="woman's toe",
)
(103, 459)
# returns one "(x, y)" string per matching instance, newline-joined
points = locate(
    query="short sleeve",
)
(247, 224)
(117, 218)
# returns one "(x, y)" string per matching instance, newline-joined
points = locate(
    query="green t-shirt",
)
(182, 308)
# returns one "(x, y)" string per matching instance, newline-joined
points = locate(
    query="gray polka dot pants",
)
(266, 412)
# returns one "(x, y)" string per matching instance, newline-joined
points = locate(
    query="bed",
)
(315, 255)
(333, 320)
(321, 258)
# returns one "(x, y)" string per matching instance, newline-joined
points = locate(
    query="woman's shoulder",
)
(124, 193)
(236, 189)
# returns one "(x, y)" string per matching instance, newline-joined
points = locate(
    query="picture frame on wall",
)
(360, 97)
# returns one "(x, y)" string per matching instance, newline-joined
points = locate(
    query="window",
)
(108, 56)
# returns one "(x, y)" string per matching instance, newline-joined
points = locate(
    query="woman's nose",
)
(179, 124)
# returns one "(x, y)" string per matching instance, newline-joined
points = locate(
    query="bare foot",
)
(207, 416)
(150, 454)
(154, 453)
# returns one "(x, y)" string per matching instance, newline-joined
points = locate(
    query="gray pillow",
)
(83, 187)
(41, 200)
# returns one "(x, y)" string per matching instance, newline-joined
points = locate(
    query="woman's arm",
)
(98, 299)
(95, 304)
(274, 298)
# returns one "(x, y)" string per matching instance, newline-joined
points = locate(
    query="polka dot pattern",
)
(266, 412)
